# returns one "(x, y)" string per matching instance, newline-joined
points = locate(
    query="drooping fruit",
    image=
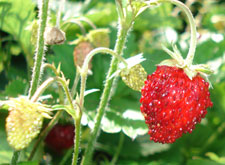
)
(99, 37)
(24, 121)
(60, 137)
(80, 53)
(54, 36)
(173, 104)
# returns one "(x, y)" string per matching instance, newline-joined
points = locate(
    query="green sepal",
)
(66, 108)
(178, 61)
(168, 62)
(203, 68)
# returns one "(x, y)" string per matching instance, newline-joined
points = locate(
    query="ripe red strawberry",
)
(60, 137)
(173, 104)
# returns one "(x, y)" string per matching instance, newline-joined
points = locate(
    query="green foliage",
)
(15, 17)
(157, 18)
(5, 150)
(155, 26)
(16, 87)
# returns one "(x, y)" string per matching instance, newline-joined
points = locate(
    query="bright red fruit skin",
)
(172, 104)
(60, 137)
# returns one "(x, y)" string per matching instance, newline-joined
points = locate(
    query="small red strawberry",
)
(175, 97)
(173, 104)
(60, 137)
(80, 53)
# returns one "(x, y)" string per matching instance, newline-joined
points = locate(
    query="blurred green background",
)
(123, 123)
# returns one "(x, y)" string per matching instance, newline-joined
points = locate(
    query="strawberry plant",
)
(90, 82)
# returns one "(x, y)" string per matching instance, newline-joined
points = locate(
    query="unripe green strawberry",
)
(24, 121)
(54, 36)
(80, 53)
(99, 37)
(134, 77)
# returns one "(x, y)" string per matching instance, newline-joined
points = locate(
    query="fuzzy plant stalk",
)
(40, 47)
(77, 123)
(39, 56)
(60, 9)
(54, 120)
(15, 157)
(83, 74)
(121, 39)
(193, 41)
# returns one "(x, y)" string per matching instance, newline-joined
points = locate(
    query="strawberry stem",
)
(44, 133)
(84, 70)
(60, 8)
(193, 42)
(83, 74)
(15, 157)
(39, 56)
(75, 83)
(121, 39)
(40, 48)
(117, 153)
(77, 123)
(53, 121)
(42, 88)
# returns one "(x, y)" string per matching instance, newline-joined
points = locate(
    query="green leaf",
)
(16, 17)
(6, 151)
(63, 54)
(202, 162)
(131, 149)
(149, 147)
(28, 163)
(156, 18)
(215, 157)
(102, 11)
(214, 17)
(121, 117)
(209, 50)
(66, 108)
(16, 87)
(90, 91)
(138, 162)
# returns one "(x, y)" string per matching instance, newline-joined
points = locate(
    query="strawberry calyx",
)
(178, 61)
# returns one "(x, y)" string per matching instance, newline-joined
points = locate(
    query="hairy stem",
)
(39, 56)
(77, 22)
(66, 156)
(89, 22)
(77, 139)
(40, 48)
(84, 72)
(15, 157)
(60, 8)
(117, 153)
(122, 34)
(75, 83)
(44, 133)
(193, 42)
(64, 84)
(213, 137)
(42, 88)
